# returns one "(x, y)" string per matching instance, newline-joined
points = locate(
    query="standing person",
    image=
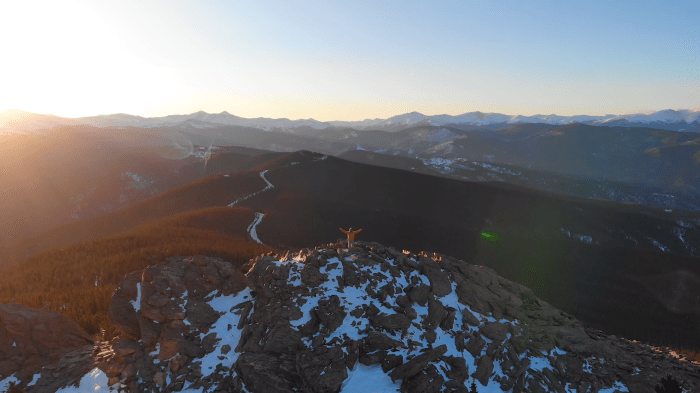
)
(351, 235)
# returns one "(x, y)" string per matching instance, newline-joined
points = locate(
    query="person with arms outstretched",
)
(351, 235)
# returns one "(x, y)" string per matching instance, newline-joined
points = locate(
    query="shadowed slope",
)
(572, 252)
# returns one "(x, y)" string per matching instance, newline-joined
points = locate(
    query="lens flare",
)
(492, 237)
(175, 146)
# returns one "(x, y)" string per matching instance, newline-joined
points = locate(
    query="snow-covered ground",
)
(352, 297)
(224, 304)
(94, 381)
(366, 379)
(5, 383)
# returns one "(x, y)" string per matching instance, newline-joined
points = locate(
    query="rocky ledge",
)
(371, 317)
(36, 344)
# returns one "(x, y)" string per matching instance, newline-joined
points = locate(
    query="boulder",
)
(31, 339)
(494, 330)
(415, 365)
(436, 313)
(324, 371)
(266, 373)
(484, 369)
(390, 322)
(200, 313)
(440, 284)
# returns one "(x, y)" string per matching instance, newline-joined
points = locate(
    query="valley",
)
(608, 263)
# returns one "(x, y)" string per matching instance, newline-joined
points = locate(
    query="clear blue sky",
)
(349, 60)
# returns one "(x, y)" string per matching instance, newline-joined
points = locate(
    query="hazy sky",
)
(350, 60)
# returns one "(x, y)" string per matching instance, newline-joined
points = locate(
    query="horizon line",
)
(647, 112)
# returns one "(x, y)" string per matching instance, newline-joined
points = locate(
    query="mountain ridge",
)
(677, 120)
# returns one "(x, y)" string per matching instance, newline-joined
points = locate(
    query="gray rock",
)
(475, 345)
(484, 369)
(425, 381)
(440, 284)
(494, 330)
(121, 312)
(265, 373)
(126, 347)
(376, 341)
(200, 313)
(324, 372)
(282, 338)
(419, 294)
(390, 322)
(436, 313)
(418, 363)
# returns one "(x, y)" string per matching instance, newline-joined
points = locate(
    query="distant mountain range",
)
(18, 121)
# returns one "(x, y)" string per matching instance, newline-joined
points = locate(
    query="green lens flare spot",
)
(491, 236)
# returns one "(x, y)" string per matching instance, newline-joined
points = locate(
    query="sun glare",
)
(72, 61)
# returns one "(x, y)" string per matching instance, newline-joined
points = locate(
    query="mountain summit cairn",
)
(368, 319)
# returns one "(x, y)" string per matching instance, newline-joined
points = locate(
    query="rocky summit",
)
(365, 319)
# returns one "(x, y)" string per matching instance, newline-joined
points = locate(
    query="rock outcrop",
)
(35, 344)
(315, 320)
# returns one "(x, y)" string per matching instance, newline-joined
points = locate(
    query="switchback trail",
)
(259, 216)
(251, 227)
(269, 186)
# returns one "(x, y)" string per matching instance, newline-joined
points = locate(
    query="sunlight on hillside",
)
(78, 280)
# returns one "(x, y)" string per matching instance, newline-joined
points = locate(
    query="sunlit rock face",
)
(35, 344)
(371, 317)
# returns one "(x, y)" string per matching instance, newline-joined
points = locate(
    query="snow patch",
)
(225, 304)
(440, 164)
(34, 379)
(586, 239)
(94, 381)
(365, 379)
(658, 245)
(137, 303)
(5, 383)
